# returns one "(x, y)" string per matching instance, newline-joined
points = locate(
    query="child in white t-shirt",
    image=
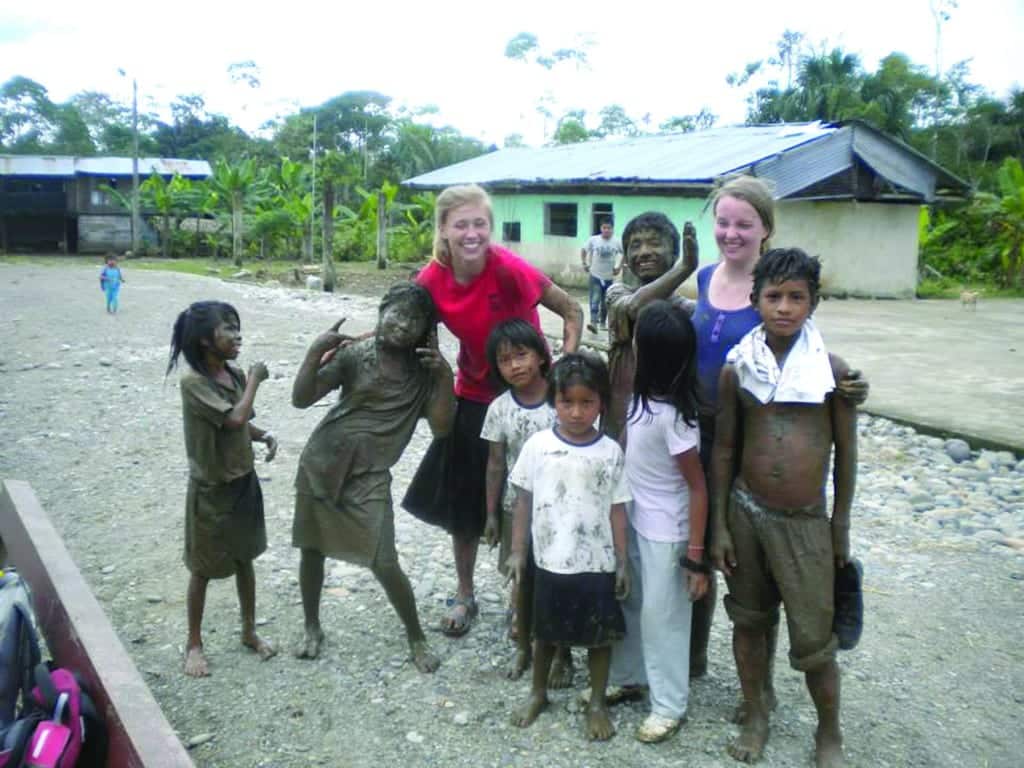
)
(667, 519)
(572, 490)
(519, 358)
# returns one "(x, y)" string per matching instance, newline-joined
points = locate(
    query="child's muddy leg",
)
(245, 582)
(823, 683)
(523, 602)
(770, 699)
(400, 595)
(311, 583)
(599, 721)
(561, 669)
(195, 599)
(543, 653)
(750, 647)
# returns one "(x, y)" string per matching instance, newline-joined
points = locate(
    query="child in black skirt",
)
(572, 490)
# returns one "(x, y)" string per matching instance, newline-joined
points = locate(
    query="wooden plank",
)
(80, 637)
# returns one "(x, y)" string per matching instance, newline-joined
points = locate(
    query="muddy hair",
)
(781, 264)
(580, 369)
(194, 325)
(657, 221)
(666, 361)
(416, 300)
(447, 201)
(516, 333)
(755, 192)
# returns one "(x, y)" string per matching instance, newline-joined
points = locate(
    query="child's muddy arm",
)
(440, 408)
(723, 468)
(516, 562)
(309, 385)
(496, 469)
(266, 437)
(239, 416)
(622, 584)
(844, 473)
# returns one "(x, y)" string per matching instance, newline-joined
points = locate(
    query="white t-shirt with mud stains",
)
(511, 423)
(573, 487)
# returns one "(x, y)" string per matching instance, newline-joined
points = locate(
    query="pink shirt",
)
(509, 287)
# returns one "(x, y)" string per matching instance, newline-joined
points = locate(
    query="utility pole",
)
(312, 199)
(135, 169)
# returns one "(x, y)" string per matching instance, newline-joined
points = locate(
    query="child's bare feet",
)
(423, 657)
(309, 646)
(526, 714)
(560, 675)
(749, 745)
(599, 723)
(259, 646)
(195, 662)
(520, 663)
(828, 749)
(739, 716)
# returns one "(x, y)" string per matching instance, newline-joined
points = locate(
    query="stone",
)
(314, 283)
(958, 450)
(414, 737)
(461, 718)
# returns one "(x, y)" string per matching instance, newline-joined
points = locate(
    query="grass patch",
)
(944, 288)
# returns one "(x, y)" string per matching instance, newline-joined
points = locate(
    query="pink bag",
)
(57, 741)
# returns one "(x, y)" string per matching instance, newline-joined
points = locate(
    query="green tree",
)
(235, 184)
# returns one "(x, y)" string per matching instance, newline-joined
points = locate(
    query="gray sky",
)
(656, 57)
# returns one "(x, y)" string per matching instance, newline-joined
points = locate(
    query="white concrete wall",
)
(866, 249)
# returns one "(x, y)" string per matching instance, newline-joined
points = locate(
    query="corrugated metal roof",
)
(65, 166)
(700, 157)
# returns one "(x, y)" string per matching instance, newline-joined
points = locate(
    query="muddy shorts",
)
(224, 526)
(783, 556)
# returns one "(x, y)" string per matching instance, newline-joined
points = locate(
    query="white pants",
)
(656, 649)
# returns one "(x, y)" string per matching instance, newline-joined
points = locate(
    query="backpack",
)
(19, 645)
(71, 732)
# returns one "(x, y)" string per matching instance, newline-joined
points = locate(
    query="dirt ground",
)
(88, 418)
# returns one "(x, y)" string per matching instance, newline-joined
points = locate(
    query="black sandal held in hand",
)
(848, 621)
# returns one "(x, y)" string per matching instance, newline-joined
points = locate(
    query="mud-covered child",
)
(343, 504)
(778, 423)
(224, 525)
(570, 506)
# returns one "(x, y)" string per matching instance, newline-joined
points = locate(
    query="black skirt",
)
(576, 609)
(448, 489)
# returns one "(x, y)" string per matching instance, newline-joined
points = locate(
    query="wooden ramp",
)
(80, 637)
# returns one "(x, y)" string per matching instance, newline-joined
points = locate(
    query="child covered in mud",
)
(571, 493)
(343, 504)
(773, 539)
(224, 526)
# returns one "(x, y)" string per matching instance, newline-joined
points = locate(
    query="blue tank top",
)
(718, 331)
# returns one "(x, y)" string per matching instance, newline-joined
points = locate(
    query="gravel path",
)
(87, 418)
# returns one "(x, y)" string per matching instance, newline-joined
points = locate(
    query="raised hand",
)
(258, 372)
(690, 248)
(327, 343)
(430, 356)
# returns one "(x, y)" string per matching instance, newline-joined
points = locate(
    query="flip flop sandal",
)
(656, 728)
(848, 621)
(616, 694)
(454, 626)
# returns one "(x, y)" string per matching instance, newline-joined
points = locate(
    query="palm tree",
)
(235, 184)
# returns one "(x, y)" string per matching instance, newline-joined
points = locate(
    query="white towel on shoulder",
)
(806, 374)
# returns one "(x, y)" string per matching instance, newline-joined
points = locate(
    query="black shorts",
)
(576, 609)
(449, 488)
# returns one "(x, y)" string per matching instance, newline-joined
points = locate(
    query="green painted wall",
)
(559, 256)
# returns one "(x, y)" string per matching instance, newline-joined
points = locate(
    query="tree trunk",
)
(327, 272)
(236, 229)
(382, 238)
(165, 236)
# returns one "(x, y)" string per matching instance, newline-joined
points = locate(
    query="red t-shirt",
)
(509, 287)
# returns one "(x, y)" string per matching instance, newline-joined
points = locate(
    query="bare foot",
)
(423, 657)
(599, 723)
(526, 714)
(739, 716)
(560, 675)
(195, 662)
(520, 663)
(259, 646)
(828, 750)
(309, 646)
(749, 745)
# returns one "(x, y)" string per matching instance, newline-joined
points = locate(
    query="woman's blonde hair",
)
(753, 191)
(448, 200)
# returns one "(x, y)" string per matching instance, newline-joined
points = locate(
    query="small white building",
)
(846, 193)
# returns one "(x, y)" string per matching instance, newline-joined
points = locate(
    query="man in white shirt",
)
(602, 258)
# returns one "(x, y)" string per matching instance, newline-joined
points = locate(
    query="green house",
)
(845, 192)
